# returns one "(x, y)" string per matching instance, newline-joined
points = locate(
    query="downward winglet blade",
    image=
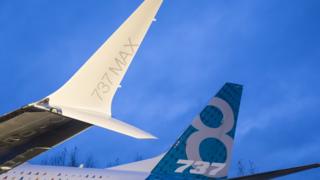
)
(94, 85)
(107, 123)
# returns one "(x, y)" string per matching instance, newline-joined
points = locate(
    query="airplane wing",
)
(29, 131)
(88, 95)
(85, 100)
(277, 173)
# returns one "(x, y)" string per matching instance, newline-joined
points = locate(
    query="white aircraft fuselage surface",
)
(35, 172)
(135, 171)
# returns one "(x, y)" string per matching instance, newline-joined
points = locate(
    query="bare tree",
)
(114, 163)
(138, 157)
(241, 168)
(117, 161)
(252, 167)
(65, 158)
(246, 168)
(90, 162)
(74, 158)
(58, 159)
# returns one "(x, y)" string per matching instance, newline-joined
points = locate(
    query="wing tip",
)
(147, 136)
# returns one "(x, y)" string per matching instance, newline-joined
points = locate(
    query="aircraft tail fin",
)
(88, 95)
(204, 149)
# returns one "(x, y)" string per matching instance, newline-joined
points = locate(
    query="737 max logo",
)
(199, 167)
(119, 64)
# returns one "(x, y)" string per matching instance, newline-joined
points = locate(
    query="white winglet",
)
(92, 88)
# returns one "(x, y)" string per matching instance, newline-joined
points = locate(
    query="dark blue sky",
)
(272, 47)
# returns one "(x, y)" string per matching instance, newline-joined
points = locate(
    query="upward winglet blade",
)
(91, 90)
(96, 82)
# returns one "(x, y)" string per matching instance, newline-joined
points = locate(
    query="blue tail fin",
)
(204, 150)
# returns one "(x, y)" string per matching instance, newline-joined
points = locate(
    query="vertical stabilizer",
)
(205, 148)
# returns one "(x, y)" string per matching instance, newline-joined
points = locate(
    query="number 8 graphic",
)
(205, 132)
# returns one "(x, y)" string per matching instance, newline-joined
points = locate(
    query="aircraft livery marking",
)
(199, 167)
(204, 132)
(105, 83)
